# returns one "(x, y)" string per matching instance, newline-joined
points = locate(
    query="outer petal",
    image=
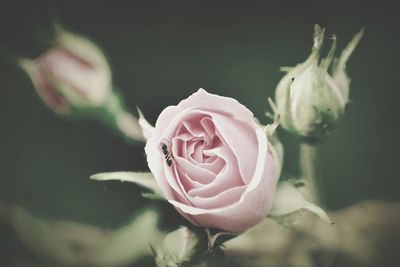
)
(202, 100)
(48, 94)
(253, 205)
(83, 78)
(240, 138)
(85, 49)
(155, 161)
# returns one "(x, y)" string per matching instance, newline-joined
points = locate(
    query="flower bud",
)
(71, 75)
(309, 99)
(73, 78)
(177, 248)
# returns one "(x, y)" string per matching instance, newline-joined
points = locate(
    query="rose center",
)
(195, 141)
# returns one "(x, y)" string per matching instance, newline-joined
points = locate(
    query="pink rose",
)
(213, 162)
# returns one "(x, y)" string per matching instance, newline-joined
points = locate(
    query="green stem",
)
(308, 169)
(117, 117)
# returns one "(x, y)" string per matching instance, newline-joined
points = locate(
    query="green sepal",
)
(339, 74)
(289, 203)
(177, 248)
(186, 247)
(275, 146)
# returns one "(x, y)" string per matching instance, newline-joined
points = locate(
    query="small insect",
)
(166, 153)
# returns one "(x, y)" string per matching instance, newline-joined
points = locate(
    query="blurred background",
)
(160, 53)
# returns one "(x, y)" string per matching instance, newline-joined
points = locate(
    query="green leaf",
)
(143, 179)
(289, 202)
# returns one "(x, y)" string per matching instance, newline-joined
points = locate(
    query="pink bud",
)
(72, 74)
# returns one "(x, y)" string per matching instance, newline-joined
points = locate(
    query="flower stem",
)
(117, 117)
(308, 171)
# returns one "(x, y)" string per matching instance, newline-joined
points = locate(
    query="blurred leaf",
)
(39, 236)
(130, 242)
(75, 244)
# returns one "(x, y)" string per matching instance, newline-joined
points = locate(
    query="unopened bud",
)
(73, 78)
(309, 99)
(72, 74)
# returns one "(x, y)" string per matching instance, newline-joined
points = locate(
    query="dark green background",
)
(160, 53)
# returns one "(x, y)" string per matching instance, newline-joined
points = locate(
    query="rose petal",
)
(204, 101)
(193, 126)
(208, 126)
(227, 105)
(184, 136)
(154, 161)
(228, 178)
(240, 137)
(200, 175)
(220, 200)
(253, 204)
(195, 151)
(187, 182)
(215, 166)
(81, 76)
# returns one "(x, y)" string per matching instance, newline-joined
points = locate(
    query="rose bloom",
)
(213, 162)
